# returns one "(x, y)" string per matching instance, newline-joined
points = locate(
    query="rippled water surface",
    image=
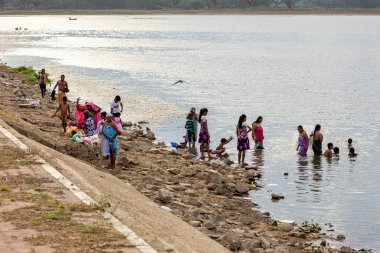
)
(290, 69)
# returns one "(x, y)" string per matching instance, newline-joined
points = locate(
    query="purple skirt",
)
(243, 144)
(204, 138)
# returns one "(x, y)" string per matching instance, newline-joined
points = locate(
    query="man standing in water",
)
(62, 89)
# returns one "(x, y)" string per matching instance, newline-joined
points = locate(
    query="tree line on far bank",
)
(183, 4)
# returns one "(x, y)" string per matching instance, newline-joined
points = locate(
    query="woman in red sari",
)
(92, 108)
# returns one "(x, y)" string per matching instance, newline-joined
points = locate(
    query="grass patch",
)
(45, 195)
(5, 188)
(32, 74)
(13, 157)
(51, 216)
(93, 230)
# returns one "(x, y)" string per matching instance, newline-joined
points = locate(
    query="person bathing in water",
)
(220, 149)
(258, 133)
(336, 151)
(303, 141)
(242, 130)
(204, 135)
(317, 138)
(349, 145)
(329, 150)
(351, 153)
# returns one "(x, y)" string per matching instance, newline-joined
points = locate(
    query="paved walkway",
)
(39, 214)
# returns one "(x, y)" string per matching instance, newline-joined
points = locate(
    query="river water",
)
(290, 69)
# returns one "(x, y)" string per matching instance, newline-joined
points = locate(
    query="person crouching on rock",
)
(65, 112)
(110, 133)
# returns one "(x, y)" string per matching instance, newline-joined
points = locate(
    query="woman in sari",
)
(110, 133)
(92, 108)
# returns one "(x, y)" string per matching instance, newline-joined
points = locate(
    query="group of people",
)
(242, 131)
(243, 143)
(317, 140)
(89, 118)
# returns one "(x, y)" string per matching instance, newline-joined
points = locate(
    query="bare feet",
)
(202, 158)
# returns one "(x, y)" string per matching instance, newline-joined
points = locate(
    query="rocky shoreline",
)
(209, 196)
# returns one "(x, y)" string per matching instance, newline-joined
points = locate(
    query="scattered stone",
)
(277, 196)
(340, 237)
(286, 174)
(346, 249)
(242, 187)
(174, 171)
(214, 177)
(150, 135)
(165, 196)
(142, 122)
(195, 223)
(231, 241)
(264, 243)
(285, 227)
(166, 208)
(188, 156)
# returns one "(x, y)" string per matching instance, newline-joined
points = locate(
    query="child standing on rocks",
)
(65, 112)
(242, 130)
(190, 128)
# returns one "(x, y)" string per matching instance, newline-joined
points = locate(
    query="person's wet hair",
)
(223, 140)
(64, 99)
(241, 120)
(349, 141)
(118, 98)
(352, 151)
(330, 145)
(103, 114)
(336, 150)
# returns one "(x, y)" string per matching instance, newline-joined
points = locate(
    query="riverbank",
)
(343, 12)
(209, 196)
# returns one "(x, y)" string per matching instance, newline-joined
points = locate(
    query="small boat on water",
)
(70, 18)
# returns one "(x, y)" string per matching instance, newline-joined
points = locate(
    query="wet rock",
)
(277, 196)
(264, 243)
(242, 187)
(142, 122)
(285, 227)
(127, 124)
(346, 249)
(150, 135)
(251, 167)
(340, 237)
(228, 162)
(286, 174)
(214, 177)
(165, 196)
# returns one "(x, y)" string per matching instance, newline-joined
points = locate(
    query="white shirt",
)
(115, 106)
(204, 119)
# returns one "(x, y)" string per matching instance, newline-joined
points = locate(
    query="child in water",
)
(336, 151)
(329, 150)
(220, 149)
(190, 128)
(349, 143)
(352, 153)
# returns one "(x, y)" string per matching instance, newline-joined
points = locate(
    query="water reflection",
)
(258, 157)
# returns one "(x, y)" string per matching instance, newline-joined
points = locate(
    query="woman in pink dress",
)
(204, 135)
(258, 133)
(92, 108)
